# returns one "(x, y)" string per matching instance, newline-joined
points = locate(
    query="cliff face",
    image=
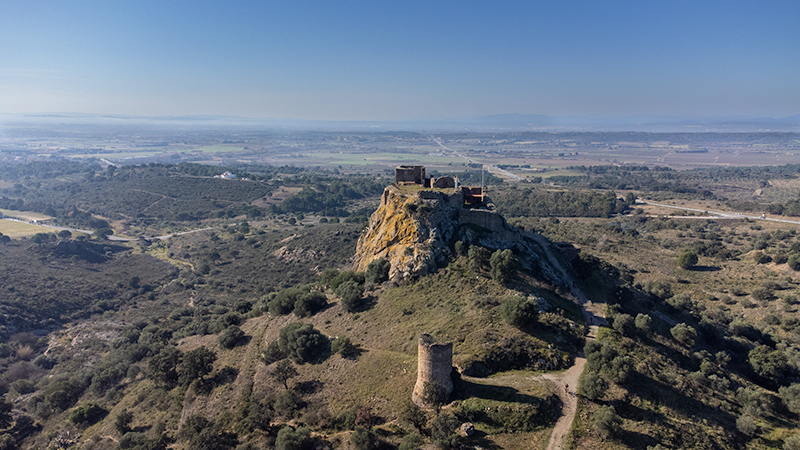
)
(411, 230)
(414, 229)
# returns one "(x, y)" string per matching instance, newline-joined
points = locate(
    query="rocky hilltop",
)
(415, 228)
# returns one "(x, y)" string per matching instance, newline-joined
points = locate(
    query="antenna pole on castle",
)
(483, 166)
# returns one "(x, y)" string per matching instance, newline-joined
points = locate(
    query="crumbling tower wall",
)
(434, 364)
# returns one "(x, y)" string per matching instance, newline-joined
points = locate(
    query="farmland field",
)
(15, 229)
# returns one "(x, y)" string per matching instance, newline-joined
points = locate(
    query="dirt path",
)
(567, 381)
(566, 386)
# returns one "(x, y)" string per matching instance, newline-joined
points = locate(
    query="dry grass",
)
(14, 229)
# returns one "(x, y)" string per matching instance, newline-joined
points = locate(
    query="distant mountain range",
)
(498, 122)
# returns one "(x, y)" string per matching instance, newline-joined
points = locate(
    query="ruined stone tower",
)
(434, 364)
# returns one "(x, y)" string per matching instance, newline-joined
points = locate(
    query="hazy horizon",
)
(413, 61)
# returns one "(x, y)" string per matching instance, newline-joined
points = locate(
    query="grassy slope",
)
(454, 304)
(663, 404)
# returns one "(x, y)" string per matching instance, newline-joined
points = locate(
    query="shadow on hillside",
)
(706, 269)
(466, 389)
(480, 439)
(663, 394)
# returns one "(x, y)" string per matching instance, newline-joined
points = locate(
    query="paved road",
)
(718, 214)
(490, 168)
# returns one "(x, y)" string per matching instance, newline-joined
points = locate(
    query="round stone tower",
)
(434, 364)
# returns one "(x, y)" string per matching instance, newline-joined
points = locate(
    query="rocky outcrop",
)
(414, 229)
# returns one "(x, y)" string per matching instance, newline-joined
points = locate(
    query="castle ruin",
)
(434, 364)
(404, 175)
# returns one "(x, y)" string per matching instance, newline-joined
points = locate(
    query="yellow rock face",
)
(409, 229)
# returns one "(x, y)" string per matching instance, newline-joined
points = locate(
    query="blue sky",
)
(397, 60)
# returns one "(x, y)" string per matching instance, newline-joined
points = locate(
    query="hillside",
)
(303, 329)
(234, 292)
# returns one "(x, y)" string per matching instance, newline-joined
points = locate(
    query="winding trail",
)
(567, 381)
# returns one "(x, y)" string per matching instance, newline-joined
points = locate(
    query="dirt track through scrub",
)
(567, 381)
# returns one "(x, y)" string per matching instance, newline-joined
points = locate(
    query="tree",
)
(746, 425)
(350, 292)
(290, 439)
(607, 421)
(644, 322)
(478, 257)
(519, 311)
(343, 346)
(501, 265)
(378, 271)
(414, 415)
(791, 397)
(64, 234)
(103, 233)
(363, 439)
(768, 363)
(309, 303)
(302, 343)
(443, 431)
(86, 414)
(792, 442)
(687, 259)
(272, 353)
(684, 334)
(123, 421)
(591, 385)
(283, 371)
(196, 364)
(623, 324)
(5, 413)
(231, 337)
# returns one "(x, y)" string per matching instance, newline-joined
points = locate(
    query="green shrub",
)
(272, 353)
(123, 420)
(623, 324)
(746, 425)
(687, 260)
(519, 311)
(684, 334)
(350, 293)
(792, 442)
(303, 343)
(309, 303)
(607, 421)
(443, 431)
(378, 271)
(287, 403)
(363, 439)
(86, 414)
(478, 257)
(790, 395)
(762, 294)
(768, 363)
(195, 364)
(644, 322)
(231, 337)
(290, 439)
(412, 441)
(501, 265)
(434, 394)
(591, 385)
(794, 262)
(344, 347)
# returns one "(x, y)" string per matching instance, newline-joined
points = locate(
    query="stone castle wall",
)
(434, 364)
(489, 220)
